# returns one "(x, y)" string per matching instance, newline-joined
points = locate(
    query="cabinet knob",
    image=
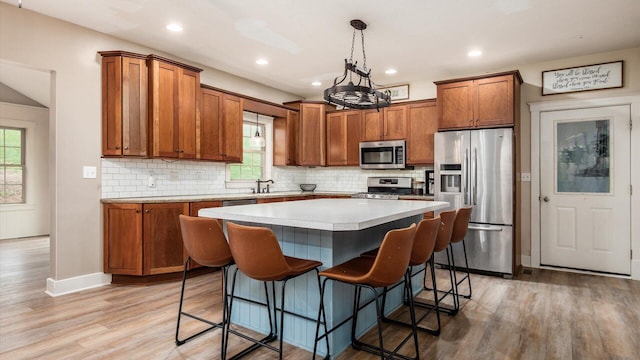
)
(146, 211)
(137, 211)
(177, 150)
(126, 148)
(117, 147)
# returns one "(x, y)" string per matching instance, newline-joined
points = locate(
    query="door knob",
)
(546, 199)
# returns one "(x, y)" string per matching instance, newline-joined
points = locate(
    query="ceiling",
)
(306, 41)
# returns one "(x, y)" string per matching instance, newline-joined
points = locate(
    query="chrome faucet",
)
(258, 190)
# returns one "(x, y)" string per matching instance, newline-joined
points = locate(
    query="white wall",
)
(32, 217)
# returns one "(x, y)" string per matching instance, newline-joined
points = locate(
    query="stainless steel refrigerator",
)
(475, 167)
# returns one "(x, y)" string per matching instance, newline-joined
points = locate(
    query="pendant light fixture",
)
(355, 89)
(257, 140)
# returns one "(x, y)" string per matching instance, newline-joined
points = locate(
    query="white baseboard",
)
(525, 260)
(75, 284)
(635, 269)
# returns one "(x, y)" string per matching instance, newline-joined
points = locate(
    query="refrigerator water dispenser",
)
(451, 178)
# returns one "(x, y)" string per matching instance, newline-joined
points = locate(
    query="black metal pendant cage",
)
(359, 94)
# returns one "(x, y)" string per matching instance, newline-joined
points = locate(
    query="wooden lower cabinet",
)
(162, 241)
(122, 239)
(143, 239)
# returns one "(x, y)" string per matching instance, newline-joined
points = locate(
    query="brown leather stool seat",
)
(460, 226)
(206, 244)
(258, 255)
(421, 253)
(386, 269)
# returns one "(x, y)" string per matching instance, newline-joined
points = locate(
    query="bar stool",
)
(460, 226)
(206, 244)
(257, 255)
(421, 253)
(386, 269)
(443, 239)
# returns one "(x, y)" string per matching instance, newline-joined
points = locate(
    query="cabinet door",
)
(165, 110)
(422, 125)
(231, 125)
(494, 101)
(336, 139)
(112, 106)
(187, 103)
(209, 132)
(312, 135)
(455, 105)
(372, 125)
(354, 136)
(395, 122)
(285, 135)
(162, 240)
(174, 109)
(134, 107)
(122, 239)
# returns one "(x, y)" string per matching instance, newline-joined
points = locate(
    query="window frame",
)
(267, 123)
(22, 165)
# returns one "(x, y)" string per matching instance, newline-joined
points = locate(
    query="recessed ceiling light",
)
(391, 71)
(174, 27)
(474, 53)
(316, 83)
(262, 62)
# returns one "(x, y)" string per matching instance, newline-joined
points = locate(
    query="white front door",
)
(585, 199)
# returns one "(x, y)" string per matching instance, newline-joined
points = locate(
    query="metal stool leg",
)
(212, 325)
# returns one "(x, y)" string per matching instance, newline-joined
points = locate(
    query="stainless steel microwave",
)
(383, 154)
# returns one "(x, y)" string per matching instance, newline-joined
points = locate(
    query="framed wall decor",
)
(398, 92)
(583, 78)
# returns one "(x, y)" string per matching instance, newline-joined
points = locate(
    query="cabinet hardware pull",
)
(146, 211)
(117, 147)
(126, 148)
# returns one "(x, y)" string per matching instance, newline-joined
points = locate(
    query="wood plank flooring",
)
(542, 315)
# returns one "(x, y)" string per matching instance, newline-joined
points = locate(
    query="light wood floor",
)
(542, 315)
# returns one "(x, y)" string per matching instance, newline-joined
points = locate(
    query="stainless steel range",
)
(386, 188)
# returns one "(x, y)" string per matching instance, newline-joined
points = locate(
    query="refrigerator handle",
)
(465, 175)
(475, 176)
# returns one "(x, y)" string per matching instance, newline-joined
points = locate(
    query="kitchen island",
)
(328, 230)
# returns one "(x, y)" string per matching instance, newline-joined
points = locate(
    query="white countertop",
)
(326, 214)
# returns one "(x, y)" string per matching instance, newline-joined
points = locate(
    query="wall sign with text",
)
(583, 78)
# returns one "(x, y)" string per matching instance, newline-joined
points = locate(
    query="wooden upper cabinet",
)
(220, 131)
(422, 124)
(344, 131)
(174, 112)
(312, 133)
(124, 104)
(162, 239)
(487, 101)
(389, 123)
(494, 101)
(395, 122)
(372, 125)
(285, 139)
(122, 239)
(455, 105)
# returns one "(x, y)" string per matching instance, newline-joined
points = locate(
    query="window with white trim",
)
(256, 161)
(12, 165)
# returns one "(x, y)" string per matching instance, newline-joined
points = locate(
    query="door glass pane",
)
(582, 156)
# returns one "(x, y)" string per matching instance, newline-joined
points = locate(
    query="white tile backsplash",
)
(129, 178)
